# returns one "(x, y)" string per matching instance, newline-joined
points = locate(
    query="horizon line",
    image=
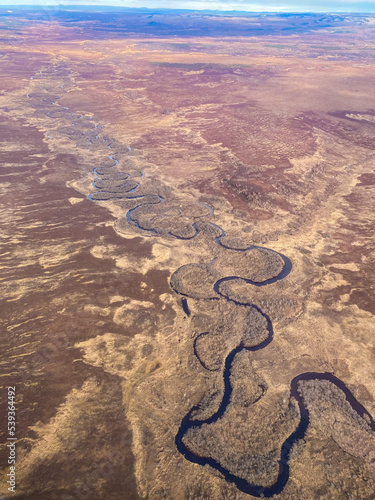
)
(61, 6)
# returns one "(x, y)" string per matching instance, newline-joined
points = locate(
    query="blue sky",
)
(241, 5)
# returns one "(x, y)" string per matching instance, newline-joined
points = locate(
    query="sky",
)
(240, 5)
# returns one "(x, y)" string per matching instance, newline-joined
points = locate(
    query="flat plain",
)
(187, 254)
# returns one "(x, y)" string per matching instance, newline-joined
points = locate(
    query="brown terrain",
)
(138, 169)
